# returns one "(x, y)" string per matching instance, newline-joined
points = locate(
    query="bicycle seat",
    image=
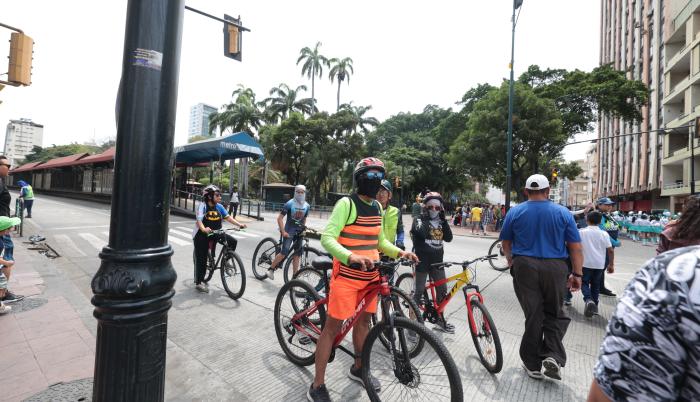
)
(322, 263)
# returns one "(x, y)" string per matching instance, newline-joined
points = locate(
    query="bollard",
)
(258, 210)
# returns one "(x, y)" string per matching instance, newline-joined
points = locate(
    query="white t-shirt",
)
(595, 243)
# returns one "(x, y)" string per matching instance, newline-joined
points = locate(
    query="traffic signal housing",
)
(20, 65)
(555, 175)
(232, 38)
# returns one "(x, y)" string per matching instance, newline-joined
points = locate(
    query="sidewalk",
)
(43, 341)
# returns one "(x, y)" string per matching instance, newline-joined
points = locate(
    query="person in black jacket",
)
(429, 231)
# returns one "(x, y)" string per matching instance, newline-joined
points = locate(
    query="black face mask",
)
(368, 187)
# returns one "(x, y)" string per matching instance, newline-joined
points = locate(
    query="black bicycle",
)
(500, 262)
(228, 261)
(268, 248)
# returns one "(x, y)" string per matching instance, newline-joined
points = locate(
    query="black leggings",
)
(435, 275)
(201, 247)
(233, 209)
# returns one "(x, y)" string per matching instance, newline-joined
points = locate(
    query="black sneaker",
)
(567, 302)
(319, 394)
(590, 308)
(356, 374)
(444, 326)
(11, 297)
(607, 292)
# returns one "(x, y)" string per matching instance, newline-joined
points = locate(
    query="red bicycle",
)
(413, 365)
(483, 329)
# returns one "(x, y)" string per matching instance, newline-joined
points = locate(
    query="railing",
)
(19, 212)
(673, 186)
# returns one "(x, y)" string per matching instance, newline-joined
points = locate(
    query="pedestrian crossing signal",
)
(232, 38)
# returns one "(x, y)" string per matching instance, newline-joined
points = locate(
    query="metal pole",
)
(692, 162)
(134, 284)
(509, 146)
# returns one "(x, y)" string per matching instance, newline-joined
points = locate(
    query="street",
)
(221, 349)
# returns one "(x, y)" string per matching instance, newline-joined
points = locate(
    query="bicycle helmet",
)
(209, 191)
(386, 184)
(367, 164)
(433, 195)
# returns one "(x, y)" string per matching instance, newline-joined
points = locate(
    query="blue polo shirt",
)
(540, 229)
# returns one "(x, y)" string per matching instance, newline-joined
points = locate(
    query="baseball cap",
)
(605, 201)
(7, 222)
(536, 182)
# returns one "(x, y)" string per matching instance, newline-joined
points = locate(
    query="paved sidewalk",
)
(43, 341)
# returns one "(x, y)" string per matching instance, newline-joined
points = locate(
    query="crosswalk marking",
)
(64, 239)
(94, 241)
(186, 229)
(187, 235)
(173, 239)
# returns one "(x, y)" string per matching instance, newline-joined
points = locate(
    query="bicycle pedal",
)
(305, 340)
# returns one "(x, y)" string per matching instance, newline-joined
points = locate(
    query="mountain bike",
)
(268, 248)
(499, 262)
(428, 374)
(228, 261)
(483, 329)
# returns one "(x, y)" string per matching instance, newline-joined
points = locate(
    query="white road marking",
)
(182, 233)
(64, 239)
(106, 234)
(93, 240)
(173, 239)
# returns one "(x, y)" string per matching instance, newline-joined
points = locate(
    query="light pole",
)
(509, 146)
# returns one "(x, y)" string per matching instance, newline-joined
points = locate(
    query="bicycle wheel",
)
(210, 269)
(486, 339)
(406, 283)
(430, 376)
(265, 252)
(233, 275)
(500, 263)
(298, 337)
(313, 277)
(406, 307)
(304, 262)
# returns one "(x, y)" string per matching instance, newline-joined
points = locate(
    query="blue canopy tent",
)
(232, 146)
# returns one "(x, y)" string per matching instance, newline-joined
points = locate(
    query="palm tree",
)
(358, 114)
(341, 69)
(313, 66)
(283, 101)
(243, 114)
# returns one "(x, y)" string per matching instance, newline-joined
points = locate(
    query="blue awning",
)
(232, 146)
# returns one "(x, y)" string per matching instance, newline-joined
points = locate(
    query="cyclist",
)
(353, 235)
(429, 231)
(209, 216)
(296, 210)
(392, 222)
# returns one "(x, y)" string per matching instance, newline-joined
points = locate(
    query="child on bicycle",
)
(296, 210)
(429, 232)
(209, 216)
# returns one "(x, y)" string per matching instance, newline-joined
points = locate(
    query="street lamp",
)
(509, 147)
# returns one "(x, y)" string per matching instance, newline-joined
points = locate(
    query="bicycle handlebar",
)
(385, 265)
(464, 264)
(223, 231)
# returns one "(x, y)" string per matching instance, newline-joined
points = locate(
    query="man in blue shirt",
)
(536, 235)
(296, 210)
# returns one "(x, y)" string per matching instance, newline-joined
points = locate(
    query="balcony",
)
(678, 189)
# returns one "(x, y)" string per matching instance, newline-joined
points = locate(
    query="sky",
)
(406, 55)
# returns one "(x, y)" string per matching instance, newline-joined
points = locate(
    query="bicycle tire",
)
(209, 272)
(490, 333)
(411, 384)
(400, 303)
(283, 326)
(259, 267)
(406, 283)
(313, 277)
(304, 262)
(501, 263)
(235, 270)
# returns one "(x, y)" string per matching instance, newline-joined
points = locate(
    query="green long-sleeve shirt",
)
(341, 215)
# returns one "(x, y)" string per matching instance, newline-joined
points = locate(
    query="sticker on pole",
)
(148, 58)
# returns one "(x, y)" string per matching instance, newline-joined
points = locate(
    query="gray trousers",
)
(435, 275)
(540, 285)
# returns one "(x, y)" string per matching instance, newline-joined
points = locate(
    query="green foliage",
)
(340, 69)
(570, 170)
(312, 65)
(56, 151)
(283, 100)
(243, 114)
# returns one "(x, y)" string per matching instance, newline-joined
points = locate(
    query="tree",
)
(340, 69)
(358, 114)
(196, 138)
(39, 154)
(569, 170)
(283, 100)
(313, 66)
(243, 114)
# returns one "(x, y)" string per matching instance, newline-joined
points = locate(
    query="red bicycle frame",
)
(462, 280)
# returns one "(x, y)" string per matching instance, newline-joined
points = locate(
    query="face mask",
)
(368, 187)
(300, 198)
(433, 214)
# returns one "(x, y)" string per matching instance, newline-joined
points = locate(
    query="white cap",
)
(300, 187)
(536, 182)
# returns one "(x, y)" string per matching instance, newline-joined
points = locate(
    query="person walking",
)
(684, 231)
(26, 194)
(596, 247)
(7, 244)
(476, 218)
(416, 208)
(535, 237)
(605, 205)
(486, 218)
(234, 201)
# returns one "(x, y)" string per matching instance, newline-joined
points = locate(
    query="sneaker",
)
(356, 374)
(590, 307)
(534, 374)
(319, 394)
(271, 274)
(595, 309)
(607, 292)
(444, 326)
(4, 309)
(202, 287)
(551, 368)
(567, 302)
(11, 297)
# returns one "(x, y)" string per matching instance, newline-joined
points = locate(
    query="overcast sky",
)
(406, 54)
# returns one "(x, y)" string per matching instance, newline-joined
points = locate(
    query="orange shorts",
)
(345, 294)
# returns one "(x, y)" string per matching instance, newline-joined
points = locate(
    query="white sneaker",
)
(271, 274)
(4, 309)
(537, 375)
(551, 368)
(202, 287)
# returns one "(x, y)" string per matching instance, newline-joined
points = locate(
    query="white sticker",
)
(148, 58)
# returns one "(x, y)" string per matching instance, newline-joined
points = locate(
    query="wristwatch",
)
(577, 275)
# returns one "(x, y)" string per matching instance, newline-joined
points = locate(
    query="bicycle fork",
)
(401, 361)
(468, 297)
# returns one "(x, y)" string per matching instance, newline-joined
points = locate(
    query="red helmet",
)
(367, 164)
(433, 195)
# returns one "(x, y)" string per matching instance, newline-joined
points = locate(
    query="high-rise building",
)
(20, 138)
(629, 153)
(199, 120)
(579, 188)
(681, 102)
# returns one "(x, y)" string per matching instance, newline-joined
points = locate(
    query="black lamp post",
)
(509, 146)
(134, 284)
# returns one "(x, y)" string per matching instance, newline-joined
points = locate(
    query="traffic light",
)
(397, 182)
(555, 175)
(232, 38)
(20, 68)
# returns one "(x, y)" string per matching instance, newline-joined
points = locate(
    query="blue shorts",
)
(287, 244)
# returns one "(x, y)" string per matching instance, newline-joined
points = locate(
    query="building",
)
(681, 102)
(199, 120)
(629, 154)
(579, 189)
(20, 138)
(591, 171)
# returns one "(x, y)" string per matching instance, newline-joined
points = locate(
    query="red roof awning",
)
(105, 156)
(63, 161)
(26, 167)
